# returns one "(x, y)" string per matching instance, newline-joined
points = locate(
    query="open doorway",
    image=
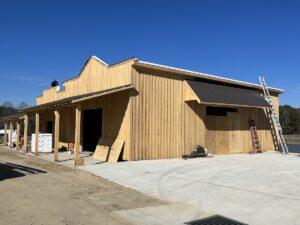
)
(49, 127)
(92, 129)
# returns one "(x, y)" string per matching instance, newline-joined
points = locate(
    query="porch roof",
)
(78, 98)
(12, 117)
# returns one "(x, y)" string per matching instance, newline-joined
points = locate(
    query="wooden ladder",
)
(255, 138)
(272, 113)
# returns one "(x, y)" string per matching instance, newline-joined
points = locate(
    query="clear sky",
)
(43, 40)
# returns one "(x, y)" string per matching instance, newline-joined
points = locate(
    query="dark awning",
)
(216, 94)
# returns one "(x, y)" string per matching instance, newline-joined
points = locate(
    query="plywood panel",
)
(115, 150)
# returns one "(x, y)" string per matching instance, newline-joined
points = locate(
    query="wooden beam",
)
(77, 134)
(56, 133)
(111, 91)
(37, 129)
(5, 133)
(18, 135)
(10, 134)
(25, 147)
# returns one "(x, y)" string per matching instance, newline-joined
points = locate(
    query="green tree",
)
(8, 104)
(289, 119)
(22, 105)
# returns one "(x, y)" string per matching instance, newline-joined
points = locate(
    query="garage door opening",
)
(92, 128)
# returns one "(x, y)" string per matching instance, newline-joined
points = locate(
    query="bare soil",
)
(34, 191)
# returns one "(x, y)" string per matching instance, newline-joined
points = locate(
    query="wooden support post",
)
(77, 137)
(56, 133)
(25, 147)
(18, 135)
(5, 133)
(10, 134)
(37, 130)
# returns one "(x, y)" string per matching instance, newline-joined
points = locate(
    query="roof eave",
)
(203, 76)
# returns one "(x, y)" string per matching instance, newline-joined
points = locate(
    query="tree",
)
(289, 119)
(8, 104)
(22, 105)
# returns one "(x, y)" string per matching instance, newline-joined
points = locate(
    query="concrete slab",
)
(67, 159)
(254, 189)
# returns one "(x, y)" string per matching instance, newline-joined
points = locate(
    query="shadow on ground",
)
(11, 170)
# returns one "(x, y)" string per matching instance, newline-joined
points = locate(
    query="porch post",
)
(25, 148)
(10, 134)
(56, 133)
(77, 133)
(37, 129)
(18, 135)
(5, 133)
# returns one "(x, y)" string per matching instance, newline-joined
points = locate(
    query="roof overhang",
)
(12, 118)
(76, 99)
(209, 77)
(220, 95)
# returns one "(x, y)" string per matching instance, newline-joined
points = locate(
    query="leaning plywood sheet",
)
(102, 149)
(115, 150)
(101, 153)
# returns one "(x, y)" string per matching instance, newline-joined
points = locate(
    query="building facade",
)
(158, 111)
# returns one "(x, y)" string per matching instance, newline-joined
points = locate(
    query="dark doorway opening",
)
(49, 127)
(92, 129)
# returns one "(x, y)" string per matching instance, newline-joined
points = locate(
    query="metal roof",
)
(204, 76)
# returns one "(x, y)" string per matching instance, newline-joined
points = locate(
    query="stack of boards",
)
(108, 149)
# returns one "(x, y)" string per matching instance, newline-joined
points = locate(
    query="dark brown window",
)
(219, 111)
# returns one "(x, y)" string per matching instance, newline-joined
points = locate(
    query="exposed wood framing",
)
(25, 146)
(56, 133)
(77, 132)
(10, 133)
(37, 131)
(5, 133)
(18, 135)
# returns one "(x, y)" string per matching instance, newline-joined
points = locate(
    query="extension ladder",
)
(255, 139)
(272, 114)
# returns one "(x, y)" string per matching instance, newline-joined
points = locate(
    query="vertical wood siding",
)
(165, 126)
(94, 77)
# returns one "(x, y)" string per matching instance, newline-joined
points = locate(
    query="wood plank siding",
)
(95, 76)
(158, 118)
(166, 126)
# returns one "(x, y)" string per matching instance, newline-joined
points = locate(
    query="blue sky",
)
(43, 40)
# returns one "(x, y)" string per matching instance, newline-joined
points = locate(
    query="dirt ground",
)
(34, 191)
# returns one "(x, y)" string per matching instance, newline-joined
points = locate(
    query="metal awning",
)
(78, 98)
(216, 94)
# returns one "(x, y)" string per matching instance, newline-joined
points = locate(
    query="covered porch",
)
(77, 123)
(12, 136)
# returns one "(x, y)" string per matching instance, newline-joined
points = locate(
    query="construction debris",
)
(198, 151)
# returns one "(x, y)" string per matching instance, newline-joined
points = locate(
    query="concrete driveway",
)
(254, 189)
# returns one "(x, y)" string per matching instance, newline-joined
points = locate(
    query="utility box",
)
(45, 143)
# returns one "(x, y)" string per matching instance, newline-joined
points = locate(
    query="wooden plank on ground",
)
(101, 153)
(103, 148)
(115, 150)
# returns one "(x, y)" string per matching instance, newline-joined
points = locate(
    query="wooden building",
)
(158, 111)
